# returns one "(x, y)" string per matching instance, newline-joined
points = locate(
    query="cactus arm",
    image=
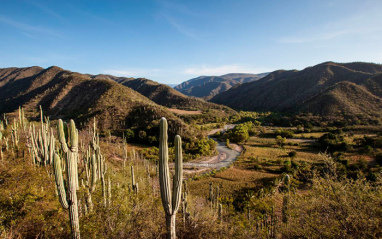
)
(94, 173)
(35, 146)
(52, 146)
(61, 136)
(59, 181)
(164, 177)
(177, 185)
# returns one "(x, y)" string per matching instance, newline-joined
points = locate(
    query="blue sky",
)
(173, 41)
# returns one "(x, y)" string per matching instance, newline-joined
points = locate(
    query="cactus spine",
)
(71, 152)
(170, 202)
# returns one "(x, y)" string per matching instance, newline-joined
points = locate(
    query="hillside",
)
(65, 94)
(207, 87)
(165, 95)
(326, 89)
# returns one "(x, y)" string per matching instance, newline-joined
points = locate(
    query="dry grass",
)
(263, 155)
(230, 182)
(185, 112)
(315, 135)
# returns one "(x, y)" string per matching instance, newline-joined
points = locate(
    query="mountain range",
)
(328, 88)
(163, 94)
(65, 94)
(207, 87)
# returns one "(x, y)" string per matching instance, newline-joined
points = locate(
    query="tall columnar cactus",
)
(286, 200)
(68, 196)
(217, 196)
(15, 136)
(220, 212)
(22, 120)
(94, 172)
(170, 201)
(2, 126)
(134, 186)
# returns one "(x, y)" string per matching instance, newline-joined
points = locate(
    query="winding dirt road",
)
(225, 157)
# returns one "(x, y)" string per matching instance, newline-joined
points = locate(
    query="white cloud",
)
(179, 27)
(221, 70)
(363, 24)
(329, 35)
(313, 38)
(47, 10)
(29, 30)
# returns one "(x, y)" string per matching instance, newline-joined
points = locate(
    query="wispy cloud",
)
(29, 30)
(180, 17)
(328, 35)
(179, 27)
(221, 70)
(179, 8)
(364, 24)
(47, 10)
(313, 38)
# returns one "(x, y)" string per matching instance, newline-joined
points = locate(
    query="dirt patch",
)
(236, 147)
(185, 112)
(214, 131)
(213, 159)
(196, 171)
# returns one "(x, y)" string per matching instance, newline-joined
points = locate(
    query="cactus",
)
(217, 196)
(22, 120)
(170, 201)
(133, 184)
(42, 142)
(286, 200)
(94, 172)
(68, 196)
(220, 212)
(211, 193)
(14, 134)
(108, 192)
(2, 127)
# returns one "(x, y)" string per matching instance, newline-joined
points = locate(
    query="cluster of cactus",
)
(95, 169)
(68, 195)
(22, 119)
(268, 222)
(15, 134)
(213, 198)
(170, 201)
(42, 142)
(185, 212)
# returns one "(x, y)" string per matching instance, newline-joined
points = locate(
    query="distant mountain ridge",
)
(328, 88)
(208, 86)
(163, 94)
(70, 95)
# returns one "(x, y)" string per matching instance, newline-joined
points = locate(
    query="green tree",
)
(129, 135)
(280, 141)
